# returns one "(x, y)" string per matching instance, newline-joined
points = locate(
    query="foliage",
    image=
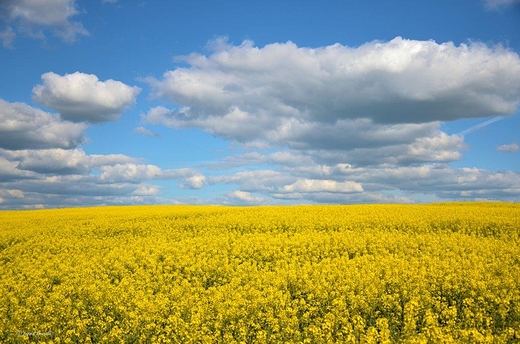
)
(295, 274)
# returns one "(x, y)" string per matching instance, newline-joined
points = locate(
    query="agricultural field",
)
(435, 273)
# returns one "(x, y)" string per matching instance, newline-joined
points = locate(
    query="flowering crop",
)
(293, 274)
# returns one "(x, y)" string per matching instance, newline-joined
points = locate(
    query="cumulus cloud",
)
(440, 180)
(239, 197)
(62, 161)
(41, 164)
(439, 148)
(334, 124)
(146, 190)
(196, 181)
(342, 198)
(35, 17)
(314, 185)
(257, 180)
(64, 191)
(401, 81)
(286, 185)
(80, 97)
(346, 184)
(129, 172)
(513, 147)
(357, 141)
(78, 185)
(348, 134)
(137, 173)
(33, 173)
(345, 124)
(8, 195)
(97, 160)
(379, 103)
(59, 161)
(25, 127)
(71, 177)
(9, 171)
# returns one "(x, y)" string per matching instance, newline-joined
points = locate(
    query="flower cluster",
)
(296, 274)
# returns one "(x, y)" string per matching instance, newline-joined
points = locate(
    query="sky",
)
(258, 102)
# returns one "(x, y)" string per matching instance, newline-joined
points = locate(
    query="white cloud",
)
(348, 134)
(41, 164)
(9, 171)
(129, 173)
(117, 184)
(63, 161)
(401, 81)
(285, 185)
(344, 183)
(7, 37)
(499, 4)
(8, 195)
(146, 190)
(55, 161)
(357, 141)
(439, 148)
(267, 181)
(441, 180)
(82, 97)
(15, 193)
(34, 17)
(513, 147)
(194, 182)
(327, 125)
(137, 173)
(334, 197)
(314, 185)
(55, 183)
(97, 160)
(64, 177)
(25, 127)
(242, 198)
(145, 132)
(84, 186)
(377, 104)
(338, 115)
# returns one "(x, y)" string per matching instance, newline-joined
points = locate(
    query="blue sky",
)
(258, 102)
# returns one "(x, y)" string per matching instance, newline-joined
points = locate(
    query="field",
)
(435, 273)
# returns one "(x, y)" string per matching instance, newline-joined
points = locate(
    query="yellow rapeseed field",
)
(437, 273)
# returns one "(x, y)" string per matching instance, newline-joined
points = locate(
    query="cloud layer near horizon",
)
(42, 162)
